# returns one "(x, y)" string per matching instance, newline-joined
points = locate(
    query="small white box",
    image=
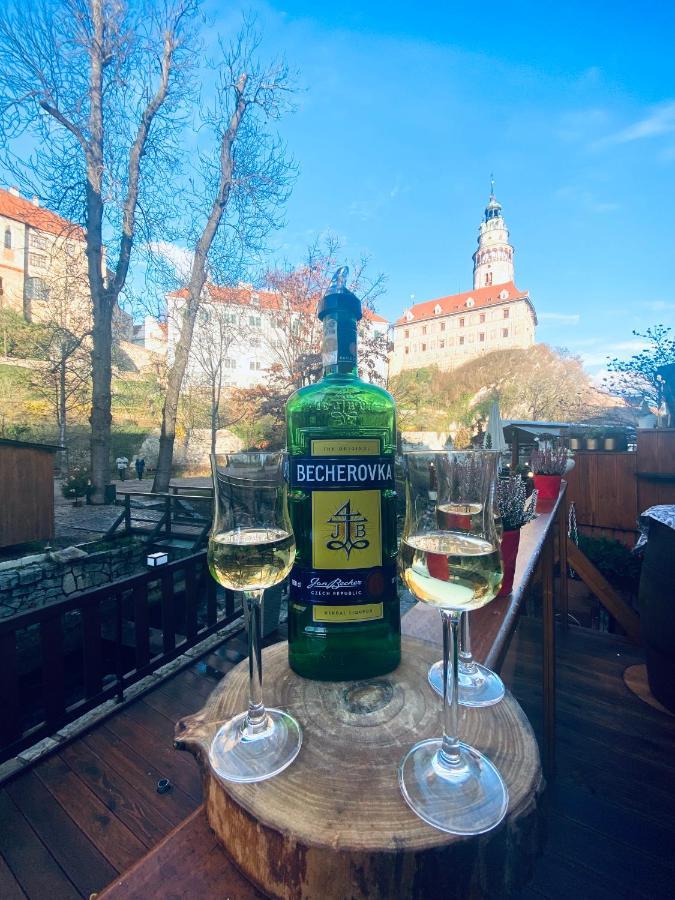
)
(158, 559)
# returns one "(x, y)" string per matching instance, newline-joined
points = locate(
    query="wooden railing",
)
(165, 515)
(59, 661)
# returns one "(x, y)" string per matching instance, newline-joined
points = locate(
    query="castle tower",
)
(493, 260)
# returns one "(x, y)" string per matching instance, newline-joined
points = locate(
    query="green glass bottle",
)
(344, 616)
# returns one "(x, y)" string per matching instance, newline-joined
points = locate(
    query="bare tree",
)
(220, 328)
(243, 180)
(98, 86)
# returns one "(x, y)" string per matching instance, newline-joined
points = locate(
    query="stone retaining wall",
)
(48, 577)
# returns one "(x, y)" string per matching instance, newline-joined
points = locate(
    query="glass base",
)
(238, 756)
(482, 687)
(467, 798)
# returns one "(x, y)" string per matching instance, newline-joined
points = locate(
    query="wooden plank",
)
(156, 746)
(10, 719)
(81, 861)
(33, 866)
(142, 774)
(141, 624)
(144, 820)
(51, 639)
(548, 661)
(10, 889)
(108, 834)
(191, 601)
(191, 860)
(168, 614)
(91, 649)
(598, 584)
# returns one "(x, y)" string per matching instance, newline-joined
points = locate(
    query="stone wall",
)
(44, 578)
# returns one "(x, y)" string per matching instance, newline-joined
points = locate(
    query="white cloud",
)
(180, 258)
(659, 306)
(659, 120)
(620, 349)
(560, 318)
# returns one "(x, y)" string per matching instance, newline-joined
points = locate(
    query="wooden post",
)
(563, 601)
(549, 656)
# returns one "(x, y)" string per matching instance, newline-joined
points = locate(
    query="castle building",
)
(495, 315)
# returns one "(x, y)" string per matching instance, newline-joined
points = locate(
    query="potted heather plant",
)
(515, 509)
(548, 466)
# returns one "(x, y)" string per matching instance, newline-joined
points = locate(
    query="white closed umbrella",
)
(495, 430)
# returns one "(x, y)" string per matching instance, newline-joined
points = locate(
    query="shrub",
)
(77, 483)
(552, 461)
(616, 562)
(515, 508)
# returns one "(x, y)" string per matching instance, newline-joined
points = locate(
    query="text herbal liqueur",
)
(344, 615)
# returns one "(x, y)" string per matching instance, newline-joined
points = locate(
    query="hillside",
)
(534, 384)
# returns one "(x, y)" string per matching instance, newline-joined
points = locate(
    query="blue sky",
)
(406, 110)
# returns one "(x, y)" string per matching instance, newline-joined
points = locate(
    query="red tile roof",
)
(22, 210)
(265, 299)
(455, 303)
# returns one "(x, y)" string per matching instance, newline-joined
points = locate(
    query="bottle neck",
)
(339, 346)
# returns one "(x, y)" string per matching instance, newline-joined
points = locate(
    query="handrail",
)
(62, 660)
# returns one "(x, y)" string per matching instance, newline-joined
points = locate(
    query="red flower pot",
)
(548, 486)
(510, 542)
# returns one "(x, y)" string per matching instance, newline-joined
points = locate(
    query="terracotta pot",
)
(548, 486)
(510, 543)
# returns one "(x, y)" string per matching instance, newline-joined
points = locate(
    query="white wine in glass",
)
(252, 548)
(455, 567)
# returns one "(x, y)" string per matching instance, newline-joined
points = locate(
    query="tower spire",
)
(492, 184)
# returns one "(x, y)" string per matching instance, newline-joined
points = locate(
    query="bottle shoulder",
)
(339, 386)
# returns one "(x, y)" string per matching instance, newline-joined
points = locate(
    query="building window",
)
(424, 329)
(441, 345)
(424, 347)
(461, 323)
(36, 289)
(230, 363)
(406, 334)
(37, 260)
(482, 318)
(255, 365)
(37, 240)
(506, 313)
(481, 337)
(461, 341)
(8, 238)
(488, 278)
(407, 350)
(442, 326)
(254, 321)
(505, 332)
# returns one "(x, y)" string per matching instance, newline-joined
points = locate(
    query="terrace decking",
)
(88, 812)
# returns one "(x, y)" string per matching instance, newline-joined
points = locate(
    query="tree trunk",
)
(101, 402)
(177, 371)
(61, 413)
(214, 417)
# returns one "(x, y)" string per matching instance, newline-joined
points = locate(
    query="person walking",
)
(122, 464)
(140, 466)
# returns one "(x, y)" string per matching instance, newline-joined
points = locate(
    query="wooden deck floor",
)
(75, 820)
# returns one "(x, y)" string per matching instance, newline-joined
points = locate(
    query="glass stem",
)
(255, 718)
(449, 753)
(465, 656)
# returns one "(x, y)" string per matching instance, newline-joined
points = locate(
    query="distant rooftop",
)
(479, 298)
(29, 212)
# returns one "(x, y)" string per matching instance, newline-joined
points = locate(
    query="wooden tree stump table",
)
(334, 824)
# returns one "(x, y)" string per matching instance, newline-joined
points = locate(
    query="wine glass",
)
(478, 685)
(252, 548)
(449, 784)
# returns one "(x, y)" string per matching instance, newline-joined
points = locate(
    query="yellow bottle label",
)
(346, 529)
(363, 612)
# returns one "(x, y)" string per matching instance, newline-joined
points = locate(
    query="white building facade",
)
(495, 315)
(243, 327)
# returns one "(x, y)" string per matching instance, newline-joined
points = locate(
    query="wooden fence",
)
(611, 489)
(59, 661)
